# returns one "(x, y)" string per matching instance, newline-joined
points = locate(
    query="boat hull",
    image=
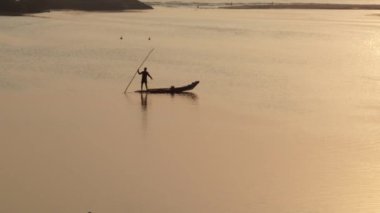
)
(172, 89)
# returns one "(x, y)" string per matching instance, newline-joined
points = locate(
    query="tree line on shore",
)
(33, 6)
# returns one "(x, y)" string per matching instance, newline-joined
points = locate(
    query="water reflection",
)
(192, 97)
(144, 111)
(159, 100)
(185, 96)
(144, 101)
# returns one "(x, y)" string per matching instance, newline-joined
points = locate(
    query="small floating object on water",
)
(121, 37)
(149, 38)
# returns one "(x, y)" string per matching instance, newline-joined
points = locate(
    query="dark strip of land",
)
(305, 6)
(20, 7)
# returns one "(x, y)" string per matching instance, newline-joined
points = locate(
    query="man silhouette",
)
(144, 78)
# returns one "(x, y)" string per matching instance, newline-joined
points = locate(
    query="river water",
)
(285, 118)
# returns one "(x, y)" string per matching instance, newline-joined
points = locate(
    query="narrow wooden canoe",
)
(171, 89)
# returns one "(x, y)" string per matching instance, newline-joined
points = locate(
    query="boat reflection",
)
(160, 100)
(190, 95)
(145, 105)
(185, 95)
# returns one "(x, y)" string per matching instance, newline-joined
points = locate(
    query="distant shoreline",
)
(316, 6)
(19, 8)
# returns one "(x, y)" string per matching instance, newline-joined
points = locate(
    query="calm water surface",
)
(285, 119)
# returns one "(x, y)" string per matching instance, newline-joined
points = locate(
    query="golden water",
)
(285, 119)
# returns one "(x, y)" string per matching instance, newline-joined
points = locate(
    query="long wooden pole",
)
(146, 58)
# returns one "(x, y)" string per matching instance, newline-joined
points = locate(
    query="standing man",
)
(144, 78)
